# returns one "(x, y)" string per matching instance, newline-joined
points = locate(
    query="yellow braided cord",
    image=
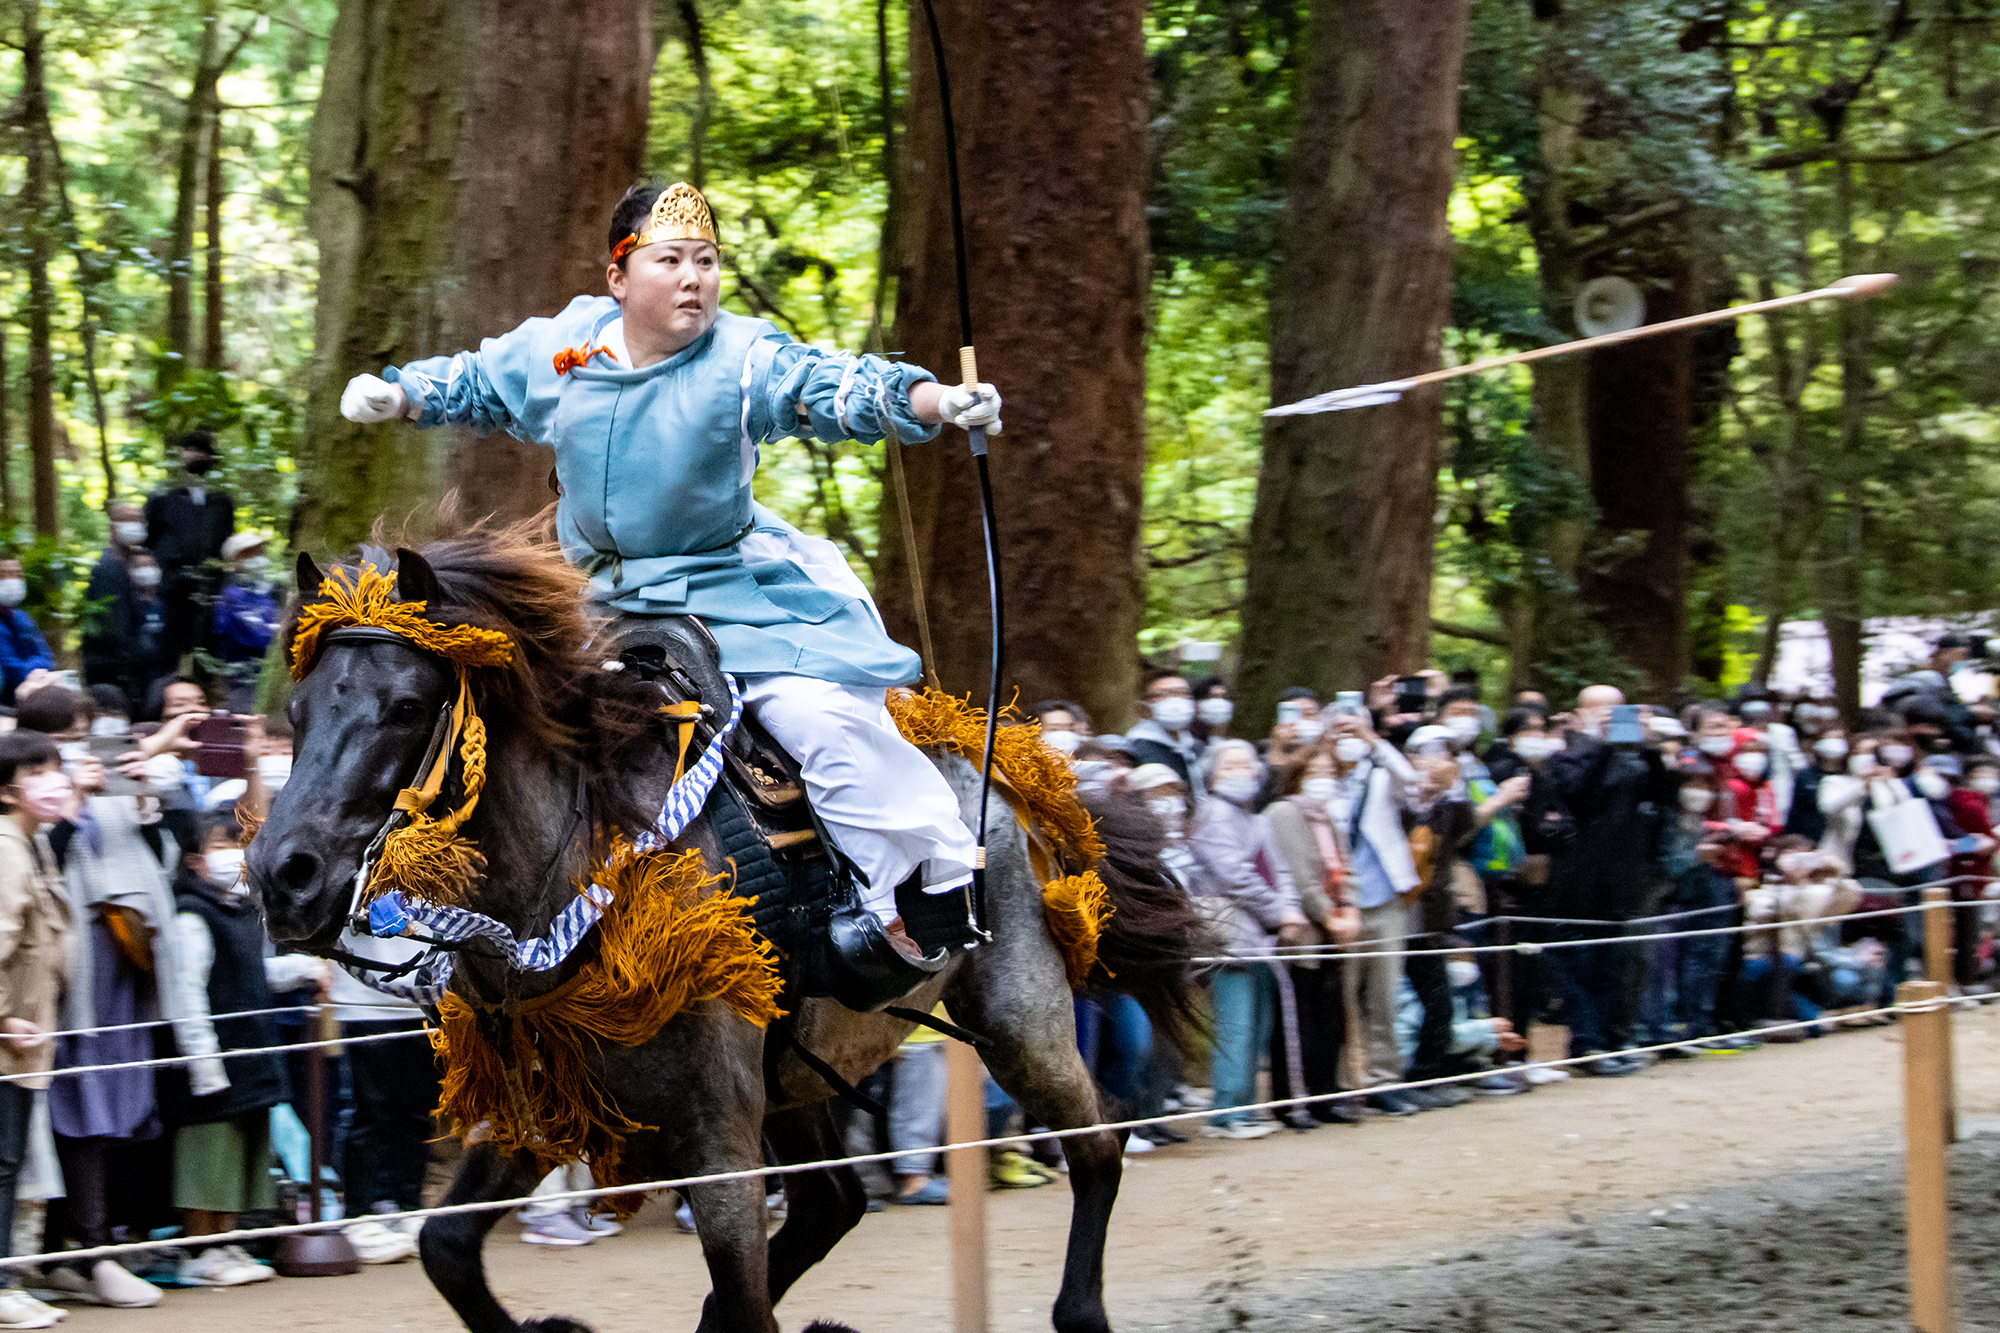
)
(369, 599)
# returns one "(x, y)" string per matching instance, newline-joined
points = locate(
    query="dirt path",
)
(1224, 1235)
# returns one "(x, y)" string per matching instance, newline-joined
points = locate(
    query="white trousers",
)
(886, 806)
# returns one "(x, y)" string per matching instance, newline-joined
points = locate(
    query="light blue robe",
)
(656, 464)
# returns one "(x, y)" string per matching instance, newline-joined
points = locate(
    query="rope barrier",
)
(237, 1013)
(164, 1061)
(721, 1177)
(1295, 953)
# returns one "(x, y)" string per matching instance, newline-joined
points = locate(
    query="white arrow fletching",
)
(1340, 400)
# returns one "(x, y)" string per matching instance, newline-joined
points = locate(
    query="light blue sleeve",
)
(846, 396)
(510, 384)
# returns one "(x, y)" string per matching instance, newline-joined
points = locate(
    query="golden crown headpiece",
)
(679, 214)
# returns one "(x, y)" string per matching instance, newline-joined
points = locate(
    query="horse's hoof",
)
(556, 1323)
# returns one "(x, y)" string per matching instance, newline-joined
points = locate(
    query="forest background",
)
(1179, 212)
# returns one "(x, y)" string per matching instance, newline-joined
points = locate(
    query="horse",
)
(575, 753)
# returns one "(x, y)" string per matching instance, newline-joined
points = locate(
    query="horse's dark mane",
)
(555, 697)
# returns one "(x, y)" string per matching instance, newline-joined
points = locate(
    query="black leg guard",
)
(855, 962)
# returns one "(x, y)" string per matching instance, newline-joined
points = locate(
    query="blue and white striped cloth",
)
(392, 914)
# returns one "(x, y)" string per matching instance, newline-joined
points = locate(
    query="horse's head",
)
(362, 720)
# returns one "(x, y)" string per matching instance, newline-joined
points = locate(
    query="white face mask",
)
(1066, 741)
(225, 866)
(1215, 712)
(1351, 749)
(147, 576)
(1696, 800)
(1317, 789)
(274, 769)
(1240, 791)
(110, 726)
(1986, 784)
(129, 533)
(1465, 729)
(254, 567)
(1931, 785)
(1093, 771)
(1461, 973)
(1753, 765)
(1861, 765)
(1309, 729)
(1532, 748)
(13, 592)
(1169, 809)
(1831, 747)
(1716, 746)
(1895, 756)
(1173, 714)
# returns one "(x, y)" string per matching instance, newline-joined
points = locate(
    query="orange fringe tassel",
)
(1040, 784)
(662, 947)
(1074, 910)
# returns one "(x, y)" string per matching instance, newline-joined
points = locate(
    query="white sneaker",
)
(20, 1310)
(56, 1310)
(223, 1266)
(252, 1270)
(1545, 1075)
(1136, 1145)
(1239, 1129)
(375, 1243)
(118, 1287)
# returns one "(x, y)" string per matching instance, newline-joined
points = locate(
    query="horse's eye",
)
(405, 713)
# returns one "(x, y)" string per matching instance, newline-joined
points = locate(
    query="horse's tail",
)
(1154, 934)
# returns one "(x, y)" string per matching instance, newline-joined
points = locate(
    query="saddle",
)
(758, 811)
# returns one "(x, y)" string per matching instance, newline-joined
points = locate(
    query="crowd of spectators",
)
(1348, 861)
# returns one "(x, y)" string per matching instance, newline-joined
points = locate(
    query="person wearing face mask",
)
(1064, 725)
(220, 1103)
(1829, 750)
(111, 640)
(1505, 757)
(34, 929)
(1615, 796)
(1255, 908)
(1301, 722)
(246, 618)
(1213, 710)
(23, 651)
(1759, 712)
(120, 951)
(1303, 831)
(186, 526)
(1681, 1004)
(1747, 770)
(1163, 734)
(1928, 690)
(1372, 785)
(1971, 804)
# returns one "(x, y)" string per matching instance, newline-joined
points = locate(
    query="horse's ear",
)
(309, 577)
(416, 581)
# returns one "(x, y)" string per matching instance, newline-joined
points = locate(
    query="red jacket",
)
(1971, 813)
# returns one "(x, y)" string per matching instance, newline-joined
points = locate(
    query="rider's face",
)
(669, 292)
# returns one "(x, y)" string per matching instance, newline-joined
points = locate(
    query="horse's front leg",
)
(453, 1245)
(729, 1218)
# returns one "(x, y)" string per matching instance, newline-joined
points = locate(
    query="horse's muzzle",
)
(303, 891)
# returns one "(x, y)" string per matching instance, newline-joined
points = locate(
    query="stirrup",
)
(856, 963)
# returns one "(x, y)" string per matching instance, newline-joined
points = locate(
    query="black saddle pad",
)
(758, 812)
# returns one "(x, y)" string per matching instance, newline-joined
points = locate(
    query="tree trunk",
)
(1339, 563)
(1641, 407)
(187, 197)
(8, 514)
(1843, 611)
(211, 298)
(1050, 103)
(466, 157)
(41, 300)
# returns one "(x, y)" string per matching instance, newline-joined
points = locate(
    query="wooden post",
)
(1926, 1201)
(1938, 966)
(965, 1122)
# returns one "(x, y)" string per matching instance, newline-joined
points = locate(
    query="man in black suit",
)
(185, 528)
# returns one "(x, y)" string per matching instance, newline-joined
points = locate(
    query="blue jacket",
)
(22, 650)
(245, 621)
(656, 464)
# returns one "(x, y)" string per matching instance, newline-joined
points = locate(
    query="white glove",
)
(368, 399)
(971, 409)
